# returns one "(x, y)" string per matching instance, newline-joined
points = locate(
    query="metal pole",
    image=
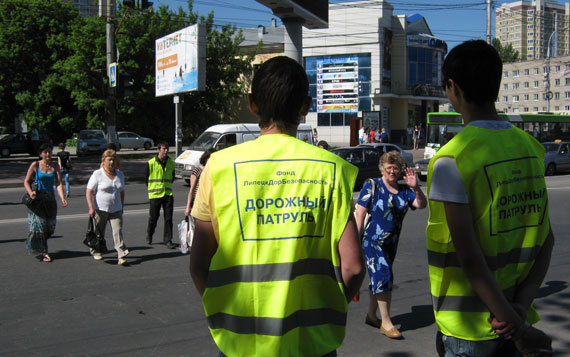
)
(489, 5)
(178, 100)
(111, 100)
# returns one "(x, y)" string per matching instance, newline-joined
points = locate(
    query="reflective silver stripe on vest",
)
(272, 272)
(167, 189)
(465, 303)
(515, 256)
(159, 180)
(274, 326)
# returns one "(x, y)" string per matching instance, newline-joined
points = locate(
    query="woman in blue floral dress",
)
(388, 206)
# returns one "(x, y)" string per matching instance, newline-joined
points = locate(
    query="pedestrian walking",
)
(64, 161)
(416, 137)
(409, 135)
(42, 213)
(486, 258)
(247, 245)
(194, 184)
(388, 202)
(160, 175)
(105, 197)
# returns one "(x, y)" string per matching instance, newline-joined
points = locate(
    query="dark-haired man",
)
(488, 237)
(160, 175)
(276, 255)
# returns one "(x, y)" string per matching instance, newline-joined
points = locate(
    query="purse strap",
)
(372, 190)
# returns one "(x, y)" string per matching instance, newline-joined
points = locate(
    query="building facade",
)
(526, 86)
(529, 26)
(371, 68)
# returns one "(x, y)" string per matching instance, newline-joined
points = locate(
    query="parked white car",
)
(130, 140)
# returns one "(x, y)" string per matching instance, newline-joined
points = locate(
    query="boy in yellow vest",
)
(488, 237)
(276, 256)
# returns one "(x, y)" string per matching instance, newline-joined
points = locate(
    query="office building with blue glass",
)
(371, 68)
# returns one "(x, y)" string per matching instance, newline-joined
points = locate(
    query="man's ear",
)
(457, 91)
(251, 104)
(306, 106)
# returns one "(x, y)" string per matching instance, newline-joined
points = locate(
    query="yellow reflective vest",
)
(160, 179)
(275, 286)
(503, 173)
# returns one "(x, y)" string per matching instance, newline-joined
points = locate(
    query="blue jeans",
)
(65, 176)
(448, 346)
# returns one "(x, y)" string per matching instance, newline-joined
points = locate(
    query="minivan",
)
(222, 136)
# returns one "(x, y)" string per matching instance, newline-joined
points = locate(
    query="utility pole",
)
(111, 98)
(489, 6)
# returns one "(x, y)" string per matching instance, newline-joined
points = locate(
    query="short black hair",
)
(279, 89)
(112, 146)
(44, 147)
(162, 144)
(477, 68)
(206, 156)
(323, 144)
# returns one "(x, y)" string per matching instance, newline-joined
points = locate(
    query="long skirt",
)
(41, 223)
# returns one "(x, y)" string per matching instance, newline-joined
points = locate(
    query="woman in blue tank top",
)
(42, 212)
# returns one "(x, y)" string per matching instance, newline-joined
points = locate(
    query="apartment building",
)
(529, 26)
(526, 85)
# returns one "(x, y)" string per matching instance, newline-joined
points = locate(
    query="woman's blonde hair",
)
(108, 153)
(392, 157)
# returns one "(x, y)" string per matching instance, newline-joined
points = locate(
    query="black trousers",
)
(167, 204)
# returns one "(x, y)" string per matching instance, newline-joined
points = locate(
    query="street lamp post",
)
(547, 92)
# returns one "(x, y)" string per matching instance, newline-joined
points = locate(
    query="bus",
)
(442, 126)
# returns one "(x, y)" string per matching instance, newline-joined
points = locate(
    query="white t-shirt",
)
(446, 182)
(361, 133)
(108, 192)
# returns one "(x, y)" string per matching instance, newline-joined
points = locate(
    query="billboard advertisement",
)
(337, 84)
(181, 61)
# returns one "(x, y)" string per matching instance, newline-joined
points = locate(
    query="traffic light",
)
(129, 3)
(145, 4)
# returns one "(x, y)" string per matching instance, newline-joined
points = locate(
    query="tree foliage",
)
(507, 53)
(53, 70)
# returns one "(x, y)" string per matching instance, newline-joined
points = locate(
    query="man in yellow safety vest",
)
(276, 255)
(160, 175)
(489, 239)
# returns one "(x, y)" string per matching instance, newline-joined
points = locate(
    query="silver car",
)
(557, 157)
(130, 140)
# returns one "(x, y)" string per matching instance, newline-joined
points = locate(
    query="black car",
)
(19, 144)
(365, 158)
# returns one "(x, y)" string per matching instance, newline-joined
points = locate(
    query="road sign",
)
(113, 74)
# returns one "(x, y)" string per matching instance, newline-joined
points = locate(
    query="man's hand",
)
(534, 342)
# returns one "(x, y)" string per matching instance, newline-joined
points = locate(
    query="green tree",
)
(507, 53)
(225, 66)
(34, 38)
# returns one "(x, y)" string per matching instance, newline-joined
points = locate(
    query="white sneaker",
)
(121, 261)
(97, 256)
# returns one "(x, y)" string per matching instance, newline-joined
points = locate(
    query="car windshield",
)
(551, 147)
(91, 135)
(205, 141)
(342, 153)
(8, 137)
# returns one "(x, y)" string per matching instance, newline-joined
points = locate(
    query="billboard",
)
(337, 84)
(181, 61)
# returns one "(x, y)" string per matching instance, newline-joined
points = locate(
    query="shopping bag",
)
(183, 228)
(93, 239)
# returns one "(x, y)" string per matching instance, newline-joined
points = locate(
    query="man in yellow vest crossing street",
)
(276, 255)
(489, 239)
(160, 175)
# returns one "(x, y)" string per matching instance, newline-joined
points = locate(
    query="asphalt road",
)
(79, 306)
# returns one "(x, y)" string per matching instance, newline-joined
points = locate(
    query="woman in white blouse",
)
(107, 186)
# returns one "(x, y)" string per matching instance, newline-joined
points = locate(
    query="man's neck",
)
(273, 129)
(472, 112)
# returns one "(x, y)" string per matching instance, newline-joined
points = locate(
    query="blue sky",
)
(453, 21)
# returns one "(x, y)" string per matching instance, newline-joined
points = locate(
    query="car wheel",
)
(187, 181)
(135, 149)
(423, 178)
(118, 146)
(550, 169)
(5, 152)
(146, 145)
